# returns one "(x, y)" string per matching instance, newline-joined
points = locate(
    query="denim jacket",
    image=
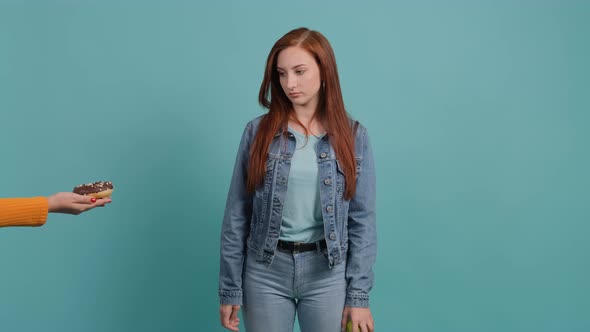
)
(252, 220)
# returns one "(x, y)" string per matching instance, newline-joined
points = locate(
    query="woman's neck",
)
(304, 114)
(307, 117)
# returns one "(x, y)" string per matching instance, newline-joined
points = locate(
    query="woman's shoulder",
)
(251, 128)
(357, 128)
(254, 123)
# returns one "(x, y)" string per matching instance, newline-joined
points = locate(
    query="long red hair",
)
(330, 112)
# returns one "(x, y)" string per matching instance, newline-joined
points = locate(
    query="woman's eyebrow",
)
(297, 66)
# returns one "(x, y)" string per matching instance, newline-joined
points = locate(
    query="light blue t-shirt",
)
(302, 214)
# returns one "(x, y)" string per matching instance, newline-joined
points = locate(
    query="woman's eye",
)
(299, 72)
(281, 74)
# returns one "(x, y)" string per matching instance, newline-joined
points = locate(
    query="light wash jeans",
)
(298, 283)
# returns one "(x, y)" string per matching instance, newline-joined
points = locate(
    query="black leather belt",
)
(295, 247)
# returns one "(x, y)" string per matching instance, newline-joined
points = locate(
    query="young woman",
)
(298, 235)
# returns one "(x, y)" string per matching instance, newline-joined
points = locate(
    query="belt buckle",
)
(296, 247)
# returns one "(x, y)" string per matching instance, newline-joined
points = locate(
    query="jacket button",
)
(332, 236)
(328, 181)
(323, 155)
(329, 208)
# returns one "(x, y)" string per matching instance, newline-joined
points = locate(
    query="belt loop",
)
(296, 247)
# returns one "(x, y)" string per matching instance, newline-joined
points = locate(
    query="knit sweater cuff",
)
(23, 211)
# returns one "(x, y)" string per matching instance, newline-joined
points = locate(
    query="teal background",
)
(477, 111)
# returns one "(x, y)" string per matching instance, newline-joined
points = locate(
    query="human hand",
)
(228, 314)
(361, 319)
(70, 203)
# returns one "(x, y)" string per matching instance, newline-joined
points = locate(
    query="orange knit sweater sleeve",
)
(23, 211)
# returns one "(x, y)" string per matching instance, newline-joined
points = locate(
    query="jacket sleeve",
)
(23, 211)
(362, 241)
(236, 226)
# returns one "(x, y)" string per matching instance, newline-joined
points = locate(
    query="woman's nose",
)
(291, 82)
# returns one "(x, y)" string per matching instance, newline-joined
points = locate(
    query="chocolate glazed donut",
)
(100, 189)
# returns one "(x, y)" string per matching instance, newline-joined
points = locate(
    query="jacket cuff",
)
(233, 297)
(357, 300)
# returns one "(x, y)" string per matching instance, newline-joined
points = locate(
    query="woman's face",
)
(299, 75)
